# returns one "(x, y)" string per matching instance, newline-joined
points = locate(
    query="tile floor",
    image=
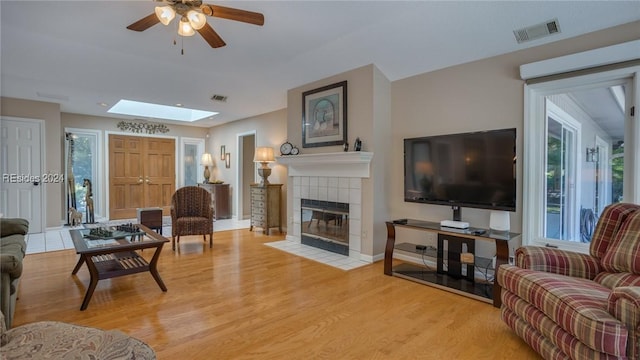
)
(59, 239)
(322, 256)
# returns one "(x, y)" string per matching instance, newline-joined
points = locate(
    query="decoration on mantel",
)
(138, 127)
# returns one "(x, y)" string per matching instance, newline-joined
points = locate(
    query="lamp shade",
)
(196, 19)
(263, 154)
(206, 159)
(165, 14)
(184, 28)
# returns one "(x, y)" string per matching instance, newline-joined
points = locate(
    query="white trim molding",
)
(356, 164)
(587, 59)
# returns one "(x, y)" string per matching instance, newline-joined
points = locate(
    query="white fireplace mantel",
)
(354, 164)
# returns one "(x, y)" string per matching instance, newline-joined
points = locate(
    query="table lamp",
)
(207, 161)
(264, 155)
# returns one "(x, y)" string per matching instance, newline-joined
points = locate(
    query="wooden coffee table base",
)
(110, 262)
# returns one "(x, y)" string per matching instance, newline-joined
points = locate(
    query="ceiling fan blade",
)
(144, 23)
(211, 36)
(233, 14)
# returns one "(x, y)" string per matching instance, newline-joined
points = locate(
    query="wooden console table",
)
(220, 200)
(459, 277)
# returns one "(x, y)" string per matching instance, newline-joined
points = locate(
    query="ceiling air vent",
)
(220, 98)
(537, 31)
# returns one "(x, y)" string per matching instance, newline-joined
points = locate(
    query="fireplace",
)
(325, 225)
(327, 201)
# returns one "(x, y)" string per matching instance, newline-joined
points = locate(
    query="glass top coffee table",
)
(112, 253)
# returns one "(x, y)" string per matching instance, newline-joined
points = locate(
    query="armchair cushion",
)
(557, 261)
(611, 219)
(577, 305)
(623, 254)
(614, 280)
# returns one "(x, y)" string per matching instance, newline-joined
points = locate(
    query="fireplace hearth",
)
(325, 225)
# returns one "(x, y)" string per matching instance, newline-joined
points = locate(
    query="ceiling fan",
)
(192, 17)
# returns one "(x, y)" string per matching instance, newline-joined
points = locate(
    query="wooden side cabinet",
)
(220, 200)
(265, 207)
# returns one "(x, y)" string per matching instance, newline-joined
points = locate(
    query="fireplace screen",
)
(325, 225)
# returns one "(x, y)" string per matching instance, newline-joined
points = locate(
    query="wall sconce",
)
(264, 155)
(592, 155)
(207, 161)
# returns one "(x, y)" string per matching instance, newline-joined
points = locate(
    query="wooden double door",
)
(141, 174)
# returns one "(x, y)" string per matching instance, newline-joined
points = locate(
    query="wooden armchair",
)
(191, 214)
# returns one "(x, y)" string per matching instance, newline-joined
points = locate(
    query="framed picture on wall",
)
(227, 160)
(222, 152)
(324, 116)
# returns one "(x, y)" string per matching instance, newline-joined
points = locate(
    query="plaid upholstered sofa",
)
(569, 305)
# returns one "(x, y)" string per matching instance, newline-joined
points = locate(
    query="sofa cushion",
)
(12, 251)
(578, 306)
(623, 254)
(11, 226)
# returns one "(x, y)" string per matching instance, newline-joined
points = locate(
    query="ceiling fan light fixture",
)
(165, 14)
(184, 27)
(196, 19)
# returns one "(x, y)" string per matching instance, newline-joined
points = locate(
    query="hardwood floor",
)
(245, 300)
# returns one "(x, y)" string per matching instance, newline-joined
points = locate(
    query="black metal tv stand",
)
(457, 276)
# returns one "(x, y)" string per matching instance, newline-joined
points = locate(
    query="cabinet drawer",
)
(258, 191)
(258, 204)
(258, 197)
(257, 218)
(258, 210)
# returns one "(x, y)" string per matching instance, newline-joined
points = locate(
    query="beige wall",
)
(484, 94)
(54, 140)
(270, 130)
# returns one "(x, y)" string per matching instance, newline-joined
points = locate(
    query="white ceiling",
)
(79, 53)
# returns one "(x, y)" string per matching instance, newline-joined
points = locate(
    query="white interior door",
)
(21, 166)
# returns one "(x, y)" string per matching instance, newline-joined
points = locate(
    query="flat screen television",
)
(476, 170)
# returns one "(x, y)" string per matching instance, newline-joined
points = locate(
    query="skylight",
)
(135, 108)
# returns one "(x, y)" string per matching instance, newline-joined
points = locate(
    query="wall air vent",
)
(220, 98)
(537, 31)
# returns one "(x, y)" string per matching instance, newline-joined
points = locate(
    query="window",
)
(84, 160)
(562, 178)
(190, 168)
(580, 156)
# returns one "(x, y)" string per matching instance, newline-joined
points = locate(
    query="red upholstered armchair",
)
(568, 305)
(191, 214)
